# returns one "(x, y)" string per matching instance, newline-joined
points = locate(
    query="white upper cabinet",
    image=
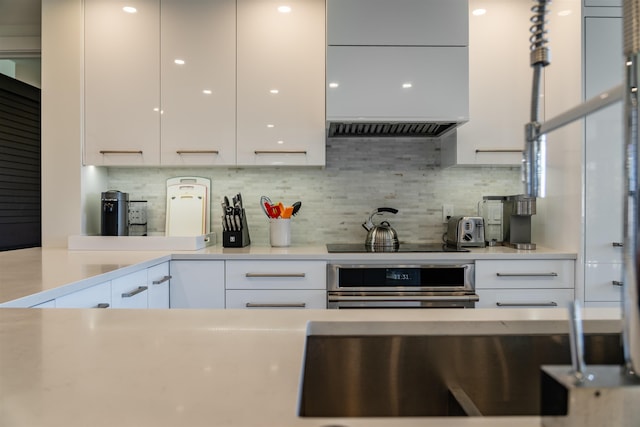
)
(122, 80)
(280, 83)
(198, 82)
(500, 81)
(397, 23)
(161, 83)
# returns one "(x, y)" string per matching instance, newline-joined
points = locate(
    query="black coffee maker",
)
(115, 213)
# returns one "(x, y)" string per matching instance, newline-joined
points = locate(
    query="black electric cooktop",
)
(406, 247)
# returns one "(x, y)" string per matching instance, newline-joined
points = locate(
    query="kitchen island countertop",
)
(80, 367)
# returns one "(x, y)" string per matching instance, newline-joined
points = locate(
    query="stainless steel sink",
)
(436, 375)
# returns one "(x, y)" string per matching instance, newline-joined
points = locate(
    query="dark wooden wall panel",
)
(20, 165)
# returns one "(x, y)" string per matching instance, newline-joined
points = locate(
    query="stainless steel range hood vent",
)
(390, 129)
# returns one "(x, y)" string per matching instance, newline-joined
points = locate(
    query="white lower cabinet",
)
(158, 280)
(97, 296)
(276, 284)
(527, 283)
(603, 282)
(197, 284)
(130, 291)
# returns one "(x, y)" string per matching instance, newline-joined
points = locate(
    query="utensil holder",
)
(280, 232)
(237, 239)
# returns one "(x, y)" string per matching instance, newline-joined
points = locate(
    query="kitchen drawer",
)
(276, 275)
(276, 299)
(130, 291)
(526, 274)
(93, 297)
(599, 282)
(158, 280)
(524, 298)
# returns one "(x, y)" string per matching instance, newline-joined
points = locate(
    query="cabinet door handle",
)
(272, 275)
(258, 152)
(498, 150)
(181, 152)
(121, 152)
(102, 305)
(527, 274)
(134, 292)
(617, 244)
(276, 305)
(164, 279)
(617, 283)
(527, 304)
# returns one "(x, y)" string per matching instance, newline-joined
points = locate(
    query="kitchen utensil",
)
(381, 235)
(265, 204)
(287, 212)
(296, 208)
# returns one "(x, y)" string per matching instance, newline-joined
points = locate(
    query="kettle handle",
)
(390, 210)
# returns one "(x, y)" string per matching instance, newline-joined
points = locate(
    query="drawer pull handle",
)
(527, 304)
(272, 275)
(498, 150)
(159, 282)
(617, 245)
(280, 152)
(527, 274)
(134, 292)
(181, 152)
(617, 283)
(121, 152)
(102, 305)
(276, 305)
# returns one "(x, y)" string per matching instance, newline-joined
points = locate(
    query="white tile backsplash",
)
(360, 176)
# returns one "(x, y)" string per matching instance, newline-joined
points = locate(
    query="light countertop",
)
(31, 271)
(77, 367)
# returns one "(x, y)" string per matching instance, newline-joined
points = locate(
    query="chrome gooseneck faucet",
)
(533, 164)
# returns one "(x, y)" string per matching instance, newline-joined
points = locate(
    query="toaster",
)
(466, 231)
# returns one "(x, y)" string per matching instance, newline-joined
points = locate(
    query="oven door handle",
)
(338, 298)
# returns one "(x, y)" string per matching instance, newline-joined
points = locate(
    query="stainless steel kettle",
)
(381, 235)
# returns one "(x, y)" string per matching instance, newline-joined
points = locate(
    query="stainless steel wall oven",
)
(401, 286)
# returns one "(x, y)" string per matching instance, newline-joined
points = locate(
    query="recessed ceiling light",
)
(271, 126)
(179, 61)
(406, 85)
(207, 92)
(130, 9)
(333, 85)
(280, 142)
(284, 9)
(274, 91)
(479, 12)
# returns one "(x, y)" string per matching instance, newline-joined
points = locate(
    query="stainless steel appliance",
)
(381, 235)
(115, 213)
(466, 231)
(370, 285)
(508, 220)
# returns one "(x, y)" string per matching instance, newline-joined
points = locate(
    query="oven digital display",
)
(359, 277)
(403, 276)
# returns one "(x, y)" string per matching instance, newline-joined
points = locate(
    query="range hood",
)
(409, 129)
(396, 92)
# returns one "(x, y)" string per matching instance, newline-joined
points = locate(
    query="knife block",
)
(237, 239)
